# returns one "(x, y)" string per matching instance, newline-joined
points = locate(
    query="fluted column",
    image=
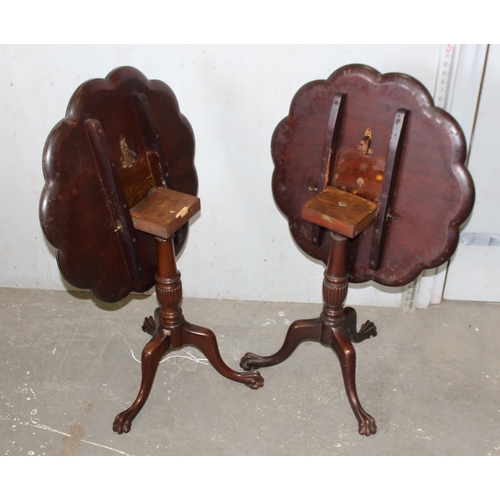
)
(335, 284)
(168, 286)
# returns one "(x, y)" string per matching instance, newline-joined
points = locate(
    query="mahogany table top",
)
(123, 136)
(433, 192)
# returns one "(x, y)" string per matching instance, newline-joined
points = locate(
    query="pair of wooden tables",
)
(368, 172)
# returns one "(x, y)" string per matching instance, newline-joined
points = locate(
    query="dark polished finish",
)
(120, 191)
(169, 331)
(332, 329)
(106, 155)
(434, 192)
(356, 141)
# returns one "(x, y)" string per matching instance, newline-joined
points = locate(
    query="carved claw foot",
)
(251, 361)
(367, 425)
(367, 330)
(253, 379)
(149, 325)
(123, 421)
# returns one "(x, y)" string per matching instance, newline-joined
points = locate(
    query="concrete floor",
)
(430, 379)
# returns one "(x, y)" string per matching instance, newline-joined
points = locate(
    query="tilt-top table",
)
(120, 190)
(371, 177)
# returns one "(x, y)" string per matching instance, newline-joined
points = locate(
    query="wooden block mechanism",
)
(340, 211)
(164, 211)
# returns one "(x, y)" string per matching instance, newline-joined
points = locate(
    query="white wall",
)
(475, 268)
(234, 96)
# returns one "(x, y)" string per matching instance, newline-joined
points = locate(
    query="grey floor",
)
(430, 379)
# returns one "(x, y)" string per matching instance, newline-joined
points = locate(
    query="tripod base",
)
(170, 331)
(340, 340)
(161, 343)
(336, 328)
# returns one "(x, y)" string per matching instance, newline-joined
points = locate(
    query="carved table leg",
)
(151, 356)
(347, 358)
(299, 331)
(205, 340)
(335, 285)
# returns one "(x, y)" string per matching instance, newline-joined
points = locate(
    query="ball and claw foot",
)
(123, 421)
(367, 425)
(253, 379)
(149, 325)
(251, 361)
(367, 330)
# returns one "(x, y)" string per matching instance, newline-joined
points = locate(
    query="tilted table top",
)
(123, 136)
(340, 132)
